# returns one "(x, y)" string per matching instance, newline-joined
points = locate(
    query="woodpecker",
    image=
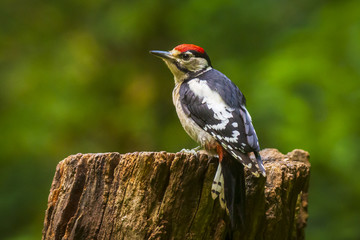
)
(211, 109)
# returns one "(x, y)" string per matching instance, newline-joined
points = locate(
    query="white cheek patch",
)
(196, 64)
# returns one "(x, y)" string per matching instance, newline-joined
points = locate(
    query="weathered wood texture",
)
(167, 196)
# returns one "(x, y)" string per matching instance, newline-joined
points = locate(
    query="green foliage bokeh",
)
(76, 76)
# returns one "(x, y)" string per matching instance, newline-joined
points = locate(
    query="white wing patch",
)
(214, 101)
(234, 137)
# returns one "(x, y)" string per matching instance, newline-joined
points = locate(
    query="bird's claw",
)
(194, 151)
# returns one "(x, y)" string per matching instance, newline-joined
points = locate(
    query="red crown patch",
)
(187, 47)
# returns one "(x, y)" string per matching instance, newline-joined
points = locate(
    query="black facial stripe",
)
(178, 65)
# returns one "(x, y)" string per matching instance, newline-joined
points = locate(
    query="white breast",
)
(191, 128)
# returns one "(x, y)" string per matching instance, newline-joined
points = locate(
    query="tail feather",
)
(234, 190)
(260, 163)
(222, 200)
(217, 184)
(217, 188)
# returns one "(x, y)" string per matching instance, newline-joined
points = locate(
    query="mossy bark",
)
(163, 195)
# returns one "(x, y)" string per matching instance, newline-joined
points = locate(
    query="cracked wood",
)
(163, 195)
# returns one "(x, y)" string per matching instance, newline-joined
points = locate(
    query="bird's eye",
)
(186, 56)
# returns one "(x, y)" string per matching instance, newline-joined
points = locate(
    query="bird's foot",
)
(194, 151)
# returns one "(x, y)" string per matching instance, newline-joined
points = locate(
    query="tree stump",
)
(159, 195)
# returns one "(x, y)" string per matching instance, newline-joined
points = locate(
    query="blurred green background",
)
(76, 76)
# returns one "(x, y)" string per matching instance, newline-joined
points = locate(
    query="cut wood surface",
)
(160, 195)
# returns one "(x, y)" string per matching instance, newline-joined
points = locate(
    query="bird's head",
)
(185, 60)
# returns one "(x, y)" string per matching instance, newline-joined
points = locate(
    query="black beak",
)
(162, 54)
